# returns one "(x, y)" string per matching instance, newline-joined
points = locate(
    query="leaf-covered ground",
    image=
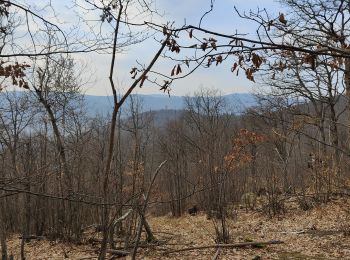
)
(313, 234)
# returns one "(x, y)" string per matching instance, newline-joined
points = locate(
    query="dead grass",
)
(314, 234)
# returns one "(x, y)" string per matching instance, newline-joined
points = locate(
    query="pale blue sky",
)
(223, 18)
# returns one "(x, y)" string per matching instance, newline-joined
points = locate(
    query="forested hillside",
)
(201, 174)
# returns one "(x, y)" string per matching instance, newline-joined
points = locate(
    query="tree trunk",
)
(347, 92)
(3, 231)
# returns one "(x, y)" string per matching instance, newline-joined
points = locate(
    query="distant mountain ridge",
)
(103, 105)
(237, 103)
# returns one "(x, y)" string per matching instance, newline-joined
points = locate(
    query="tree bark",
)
(347, 92)
(3, 231)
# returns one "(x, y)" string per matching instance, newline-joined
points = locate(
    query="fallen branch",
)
(216, 254)
(118, 252)
(179, 244)
(314, 232)
(227, 246)
(29, 237)
(121, 253)
(294, 232)
(161, 232)
(122, 217)
(146, 245)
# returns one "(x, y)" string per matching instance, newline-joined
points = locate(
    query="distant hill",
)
(102, 105)
(237, 103)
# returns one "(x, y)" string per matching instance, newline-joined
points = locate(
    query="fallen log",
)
(118, 252)
(145, 245)
(29, 237)
(272, 242)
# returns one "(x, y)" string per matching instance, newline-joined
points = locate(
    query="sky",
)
(223, 18)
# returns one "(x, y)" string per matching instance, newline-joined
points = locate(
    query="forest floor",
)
(320, 233)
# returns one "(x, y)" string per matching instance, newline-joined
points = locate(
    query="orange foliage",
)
(14, 72)
(238, 156)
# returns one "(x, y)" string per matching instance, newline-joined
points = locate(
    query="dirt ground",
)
(320, 233)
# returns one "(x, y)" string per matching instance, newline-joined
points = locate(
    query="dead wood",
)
(322, 233)
(216, 254)
(294, 232)
(118, 252)
(314, 232)
(115, 252)
(179, 244)
(146, 245)
(227, 246)
(29, 237)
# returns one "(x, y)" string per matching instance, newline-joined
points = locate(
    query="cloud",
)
(223, 18)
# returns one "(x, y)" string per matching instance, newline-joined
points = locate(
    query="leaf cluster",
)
(238, 155)
(15, 72)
